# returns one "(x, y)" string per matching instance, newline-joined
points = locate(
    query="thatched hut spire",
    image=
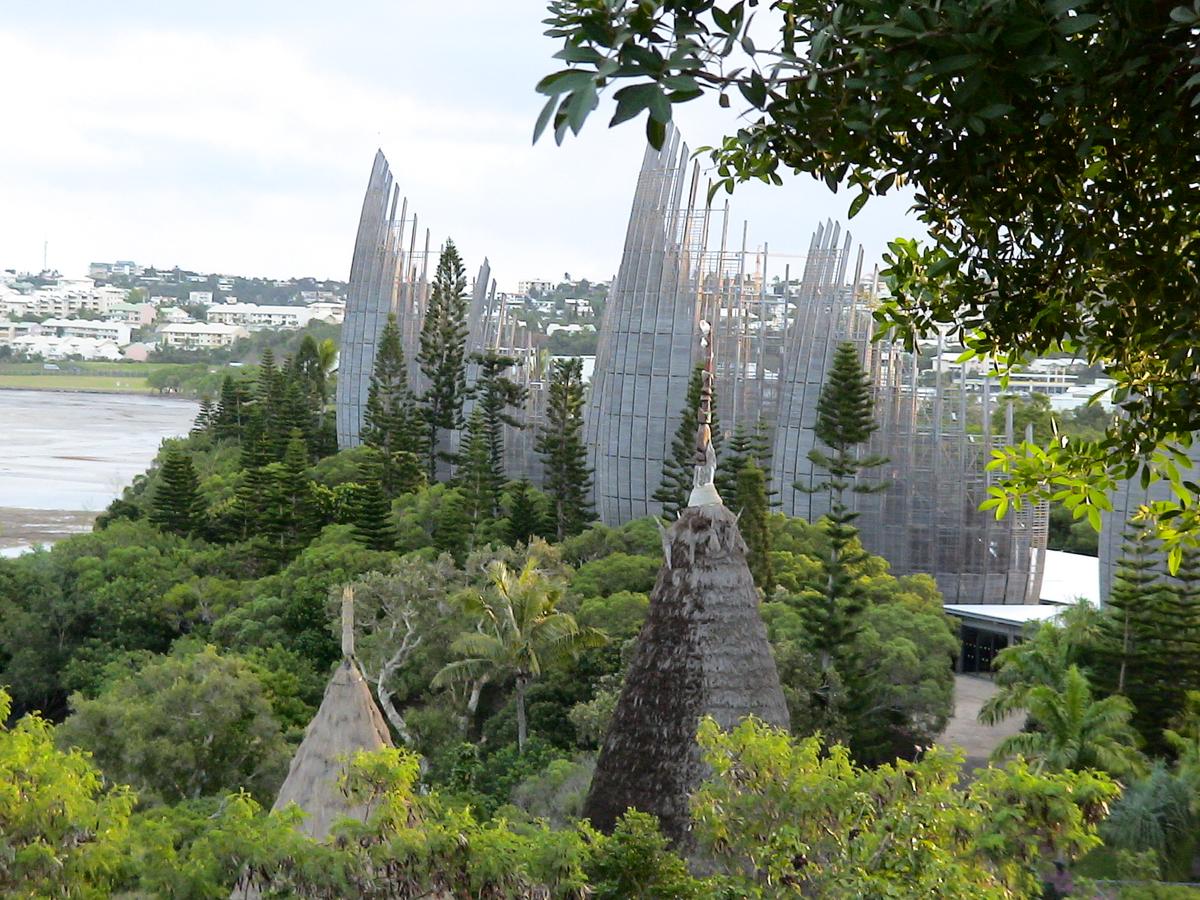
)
(703, 651)
(347, 721)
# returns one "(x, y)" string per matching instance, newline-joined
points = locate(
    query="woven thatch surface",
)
(703, 651)
(347, 721)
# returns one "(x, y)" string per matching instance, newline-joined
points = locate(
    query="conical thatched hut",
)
(703, 651)
(348, 721)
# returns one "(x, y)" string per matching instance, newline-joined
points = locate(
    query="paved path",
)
(963, 730)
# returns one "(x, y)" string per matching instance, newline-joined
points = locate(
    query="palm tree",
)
(521, 631)
(1041, 659)
(327, 354)
(1075, 731)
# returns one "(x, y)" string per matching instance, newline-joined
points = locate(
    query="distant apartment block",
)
(256, 317)
(122, 268)
(332, 311)
(173, 315)
(200, 335)
(534, 285)
(65, 298)
(118, 332)
(200, 298)
(51, 347)
(581, 308)
(9, 331)
(139, 315)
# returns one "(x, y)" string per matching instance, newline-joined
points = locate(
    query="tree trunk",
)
(393, 714)
(521, 728)
(476, 691)
(1124, 656)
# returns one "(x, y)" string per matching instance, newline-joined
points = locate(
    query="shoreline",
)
(111, 393)
(27, 528)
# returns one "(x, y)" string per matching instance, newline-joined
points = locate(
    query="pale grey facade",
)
(774, 342)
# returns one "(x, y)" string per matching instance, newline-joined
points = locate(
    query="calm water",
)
(77, 451)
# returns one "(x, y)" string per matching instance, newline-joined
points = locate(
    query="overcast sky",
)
(237, 137)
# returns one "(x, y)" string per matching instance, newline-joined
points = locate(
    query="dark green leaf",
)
(857, 204)
(1076, 24)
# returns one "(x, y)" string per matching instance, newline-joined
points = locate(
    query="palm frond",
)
(461, 670)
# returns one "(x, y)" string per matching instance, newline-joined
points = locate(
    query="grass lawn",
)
(133, 384)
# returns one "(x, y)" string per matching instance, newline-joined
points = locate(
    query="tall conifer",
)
(496, 394)
(845, 421)
(289, 517)
(177, 506)
(564, 458)
(371, 514)
(442, 354)
(680, 465)
(230, 413)
(746, 445)
(1144, 628)
(526, 517)
(392, 422)
(477, 479)
(750, 501)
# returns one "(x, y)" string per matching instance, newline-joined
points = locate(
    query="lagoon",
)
(68, 455)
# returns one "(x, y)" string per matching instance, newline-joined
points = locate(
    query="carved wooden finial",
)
(704, 491)
(348, 622)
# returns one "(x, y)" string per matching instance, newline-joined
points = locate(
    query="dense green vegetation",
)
(186, 642)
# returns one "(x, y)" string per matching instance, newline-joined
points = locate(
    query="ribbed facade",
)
(1126, 501)
(386, 276)
(648, 342)
(774, 342)
(390, 272)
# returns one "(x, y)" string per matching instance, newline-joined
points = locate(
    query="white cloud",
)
(249, 153)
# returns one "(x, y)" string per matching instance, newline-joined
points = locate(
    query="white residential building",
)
(534, 284)
(174, 315)
(51, 347)
(200, 298)
(253, 316)
(11, 330)
(64, 298)
(568, 329)
(118, 332)
(333, 311)
(201, 335)
(138, 315)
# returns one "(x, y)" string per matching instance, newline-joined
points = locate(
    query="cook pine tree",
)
(749, 499)
(845, 422)
(568, 479)
(392, 421)
(680, 465)
(177, 506)
(476, 479)
(442, 357)
(496, 396)
(1146, 634)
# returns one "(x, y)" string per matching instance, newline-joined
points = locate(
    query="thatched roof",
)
(347, 721)
(702, 651)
